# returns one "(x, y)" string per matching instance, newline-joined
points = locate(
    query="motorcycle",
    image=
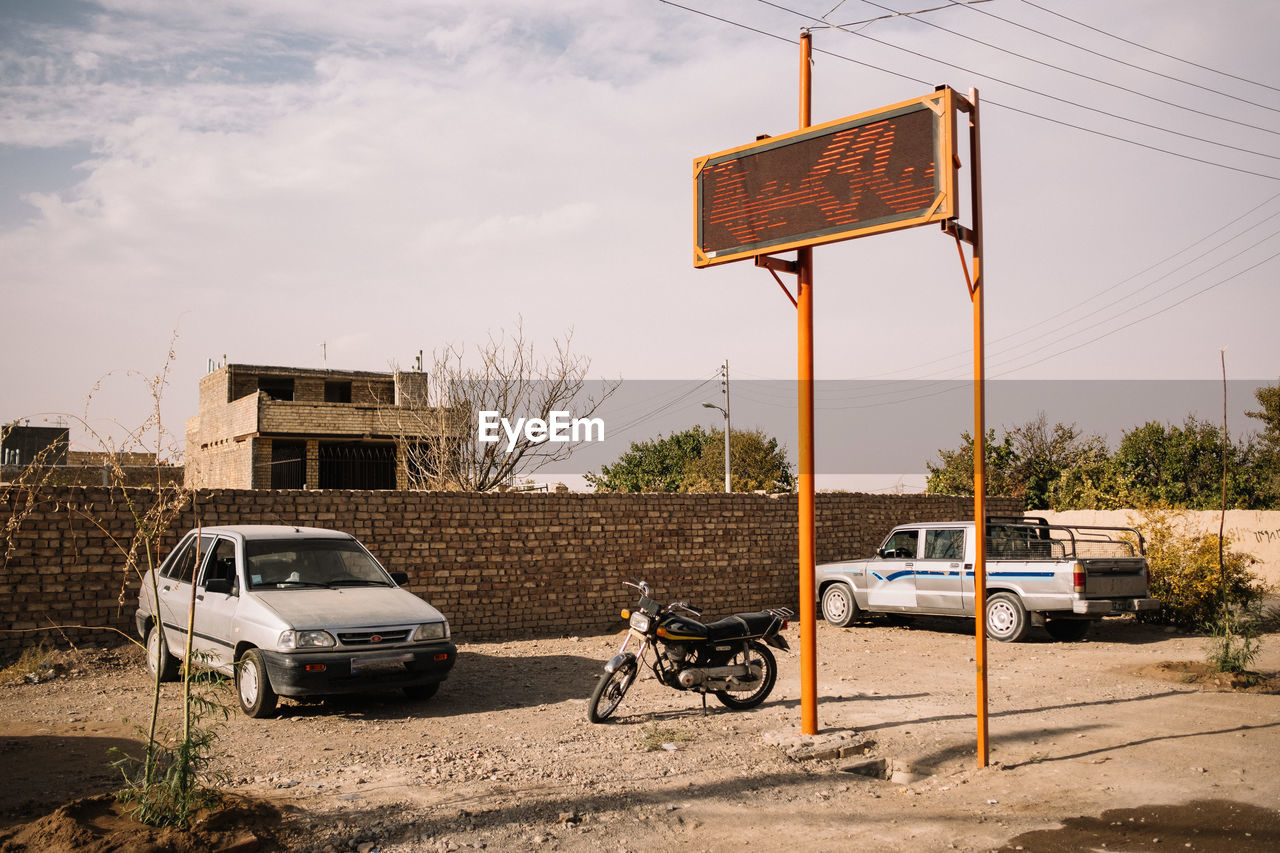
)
(728, 658)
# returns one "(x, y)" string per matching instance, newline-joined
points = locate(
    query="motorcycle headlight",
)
(305, 640)
(640, 622)
(431, 631)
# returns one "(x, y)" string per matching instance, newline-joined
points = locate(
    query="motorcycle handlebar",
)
(640, 585)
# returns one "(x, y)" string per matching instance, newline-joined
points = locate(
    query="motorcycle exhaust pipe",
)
(722, 675)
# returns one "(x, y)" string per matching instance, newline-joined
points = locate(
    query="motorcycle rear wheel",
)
(608, 694)
(741, 700)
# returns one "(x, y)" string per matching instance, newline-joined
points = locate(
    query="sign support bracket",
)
(777, 265)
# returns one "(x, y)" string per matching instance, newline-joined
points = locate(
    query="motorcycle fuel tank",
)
(681, 628)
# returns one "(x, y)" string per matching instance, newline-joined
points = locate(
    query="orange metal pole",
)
(979, 436)
(806, 500)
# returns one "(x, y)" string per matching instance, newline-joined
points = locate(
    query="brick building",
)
(290, 428)
(22, 444)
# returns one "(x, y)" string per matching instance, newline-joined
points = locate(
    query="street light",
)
(728, 488)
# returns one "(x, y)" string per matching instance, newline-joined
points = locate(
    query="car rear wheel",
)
(838, 605)
(257, 699)
(1007, 620)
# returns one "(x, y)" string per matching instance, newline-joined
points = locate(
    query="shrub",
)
(1233, 643)
(1185, 576)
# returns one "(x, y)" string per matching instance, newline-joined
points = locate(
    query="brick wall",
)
(500, 566)
(308, 418)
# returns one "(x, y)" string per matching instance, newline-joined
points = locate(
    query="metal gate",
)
(357, 466)
(288, 464)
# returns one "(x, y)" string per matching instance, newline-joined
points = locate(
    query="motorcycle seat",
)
(740, 626)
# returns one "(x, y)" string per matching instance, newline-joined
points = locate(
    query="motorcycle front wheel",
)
(757, 691)
(609, 692)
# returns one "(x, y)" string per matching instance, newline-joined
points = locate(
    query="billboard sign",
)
(883, 170)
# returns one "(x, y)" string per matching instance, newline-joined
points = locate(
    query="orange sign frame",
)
(863, 174)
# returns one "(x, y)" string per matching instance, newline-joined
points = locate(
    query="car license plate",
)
(379, 665)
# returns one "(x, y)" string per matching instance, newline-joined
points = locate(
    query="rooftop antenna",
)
(324, 353)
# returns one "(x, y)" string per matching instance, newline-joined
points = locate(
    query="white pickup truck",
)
(1060, 576)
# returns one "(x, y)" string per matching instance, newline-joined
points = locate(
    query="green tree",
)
(955, 475)
(757, 462)
(657, 465)
(1089, 483)
(693, 461)
(1268, 447)
(1159, 465)
(1043, 455)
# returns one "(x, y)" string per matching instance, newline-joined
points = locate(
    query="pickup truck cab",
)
(1060, 576)
(291, 611)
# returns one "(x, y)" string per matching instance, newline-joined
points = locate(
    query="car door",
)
(215, 609)
(940, 571)
(891, 583)
(174, 588)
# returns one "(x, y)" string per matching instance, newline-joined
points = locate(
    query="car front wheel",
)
(257, 699)
(160, 663)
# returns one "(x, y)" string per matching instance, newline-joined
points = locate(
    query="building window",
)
(337, 392)
(276, 387)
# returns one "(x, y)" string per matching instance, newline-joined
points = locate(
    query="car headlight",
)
(306, 640)
(431, 631)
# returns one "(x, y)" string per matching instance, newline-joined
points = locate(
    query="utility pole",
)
(724, 384)
(728, 482)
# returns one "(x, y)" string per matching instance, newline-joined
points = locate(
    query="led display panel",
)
(878, 171)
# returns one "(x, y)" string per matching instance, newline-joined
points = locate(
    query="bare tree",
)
(436, 413)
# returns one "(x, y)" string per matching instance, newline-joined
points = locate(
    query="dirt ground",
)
(1112, 743)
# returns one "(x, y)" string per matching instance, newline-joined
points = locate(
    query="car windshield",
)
(303, 563)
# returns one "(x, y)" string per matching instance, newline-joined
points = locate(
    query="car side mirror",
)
(400, 578)
(218, 585)
(882, 554)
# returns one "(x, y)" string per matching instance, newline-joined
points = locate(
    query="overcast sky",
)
(280, 180)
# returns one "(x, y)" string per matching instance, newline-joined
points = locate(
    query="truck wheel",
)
(257, 699)
(838, 605)
(1067, 630)
(160, 663)
(1007, 620)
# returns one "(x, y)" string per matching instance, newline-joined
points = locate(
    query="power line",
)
(1038, 93)
(1031, 114)
(1146, 317)
(1124, 281)
(777, 37)
(1149, 147)
(1105, 56)
(662, 409)
(1151, 301)
(1149, 49)
(987, 101)
(1156, 280)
